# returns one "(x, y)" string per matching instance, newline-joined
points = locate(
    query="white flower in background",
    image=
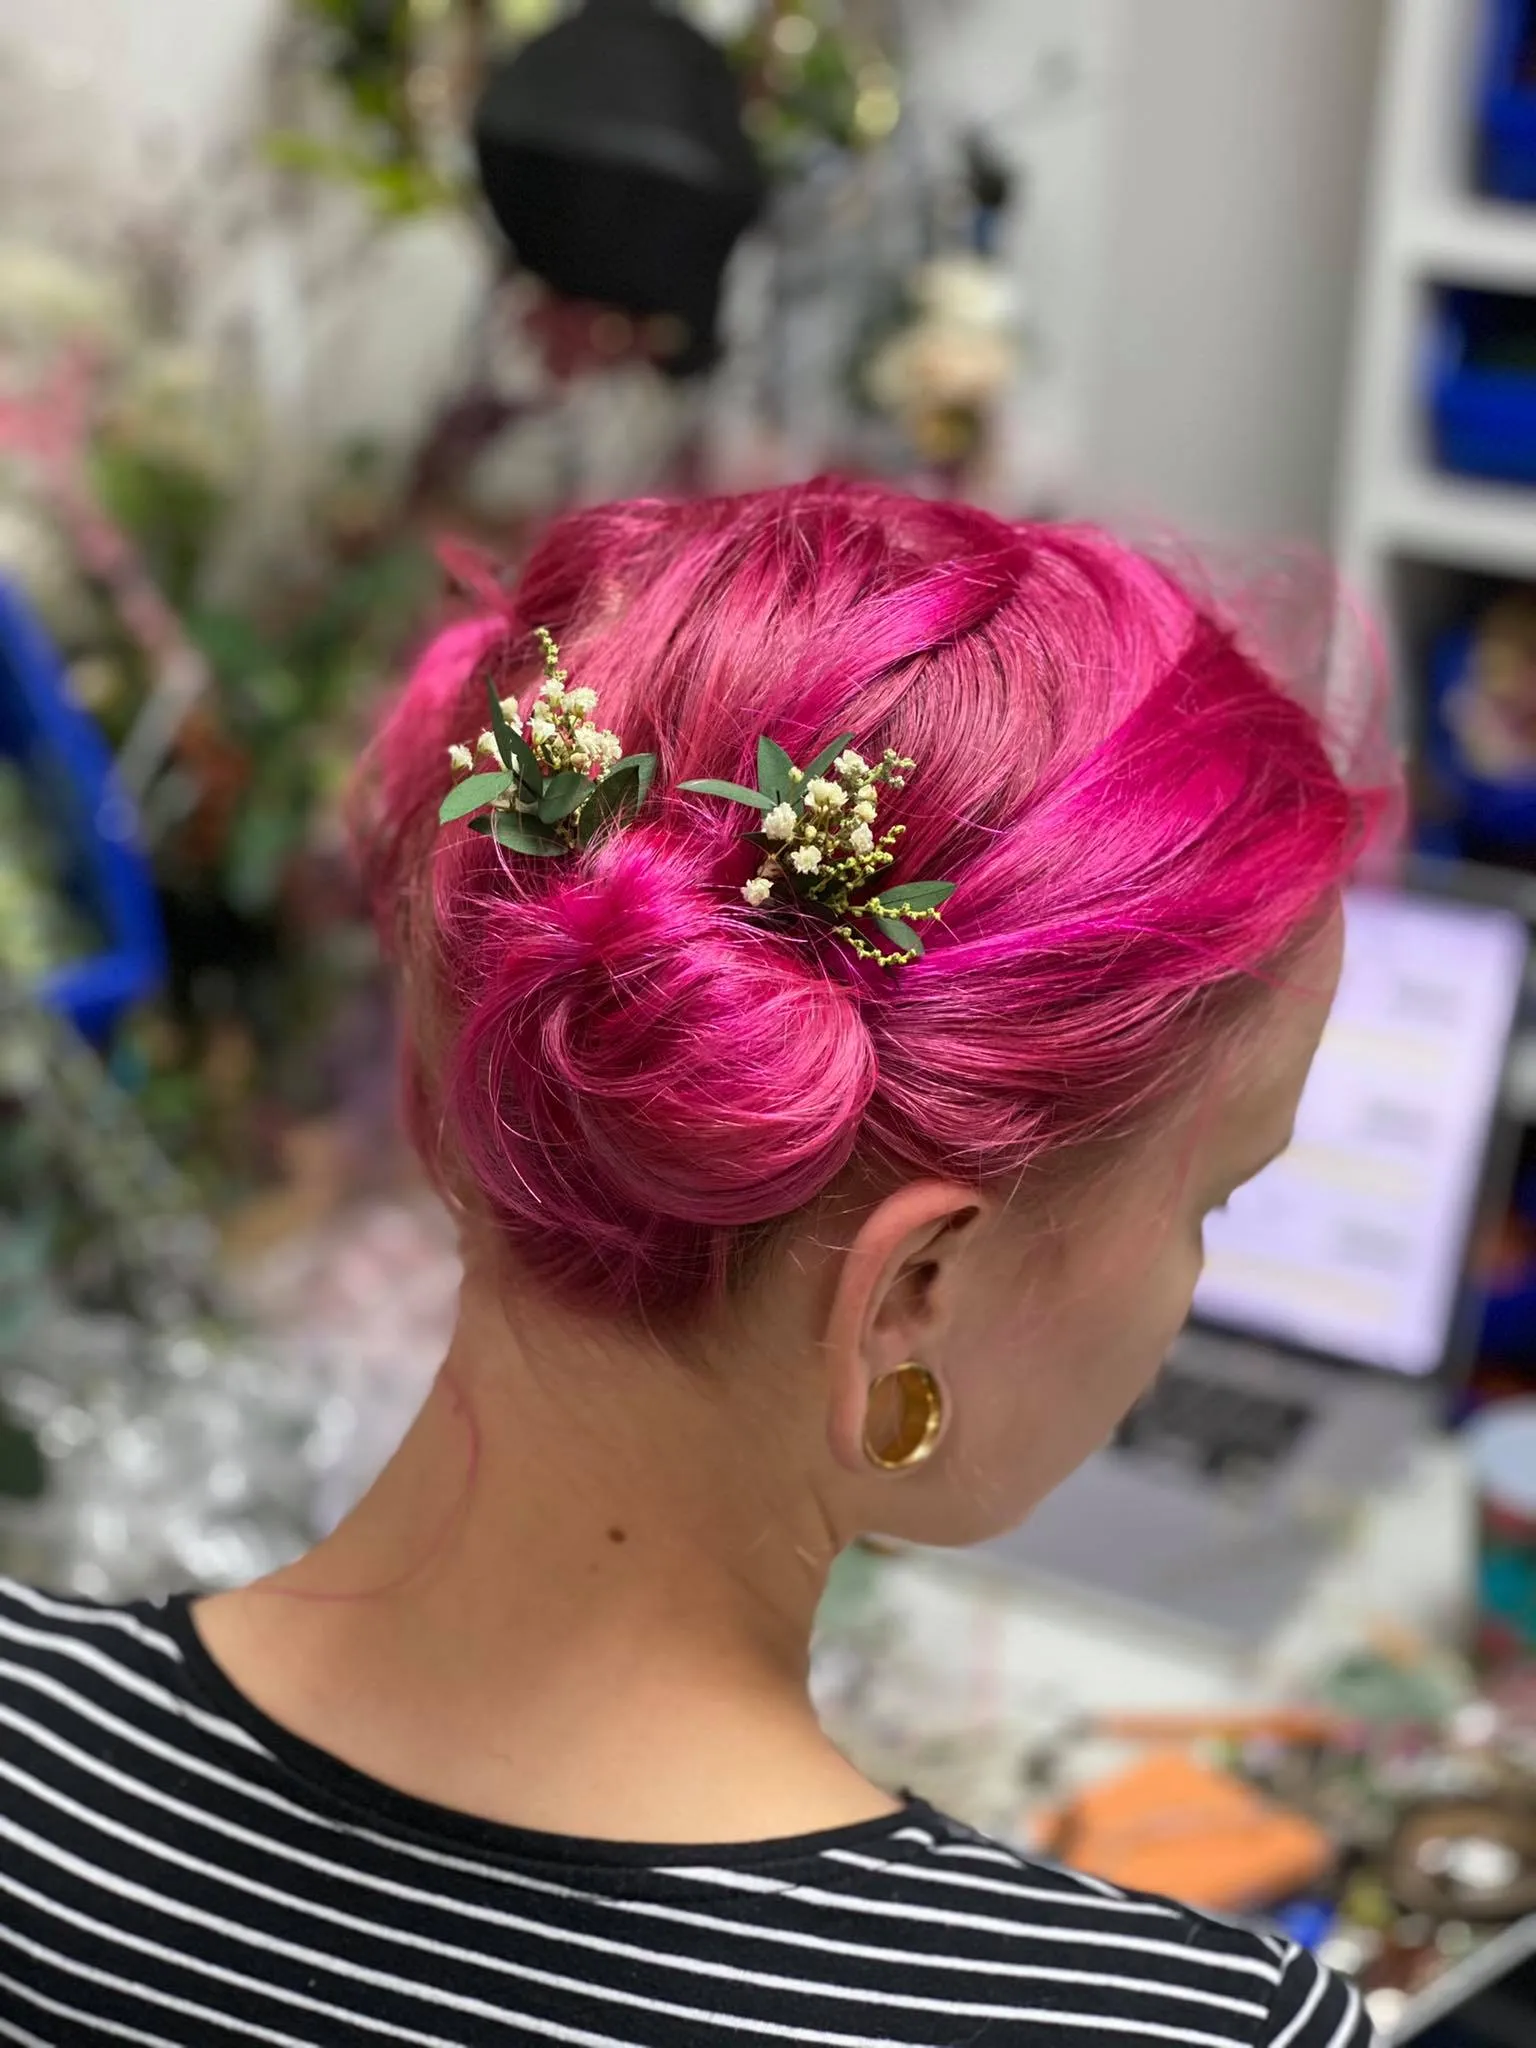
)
(512, 712)
(757, 891)
(805, 860)
(780, 822)
(825, 796)
(461, 759)
(46, 300)
(541, 729)
(486, 744)
(175, 406)
(968, 291)
(939, 364)
(862, 840)
(958, 354)
(35, 554)
(722, 19)
(850, 765)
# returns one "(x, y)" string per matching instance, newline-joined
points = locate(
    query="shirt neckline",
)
(342, 1784)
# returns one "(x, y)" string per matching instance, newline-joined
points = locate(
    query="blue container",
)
(68, 765)
(1507, 114)
(1483, 419)
(1509, 1298)
(1486, 821)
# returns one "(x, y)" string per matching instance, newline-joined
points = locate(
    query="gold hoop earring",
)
(904, 1419)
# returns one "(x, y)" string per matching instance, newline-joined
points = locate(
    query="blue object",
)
(1307, 1922)
(1483, 420)
(1509, 1300)
(68, 764)
(1507, 114)
(1490, 818)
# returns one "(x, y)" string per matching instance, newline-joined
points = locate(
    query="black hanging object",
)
(989, 178)
(613, 157)
(990, 186)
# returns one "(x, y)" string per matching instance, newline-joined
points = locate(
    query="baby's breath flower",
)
(851, 765)
(825, 796)
(757, 891)
(510, 710)
(552, 687)
(581, 700)
(862, 840)
(462, 759)
(486, 744)
(780, 822)
(805, 860)
(541, 729)
(865, 812)
(607, 748)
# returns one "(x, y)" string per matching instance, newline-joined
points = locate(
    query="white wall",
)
(1212, 396)
(1036, 78)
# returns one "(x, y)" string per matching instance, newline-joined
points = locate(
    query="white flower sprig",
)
(820, 841)
(561, 777)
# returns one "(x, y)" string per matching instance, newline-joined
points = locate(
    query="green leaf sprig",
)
(561, 778)
(820, 842)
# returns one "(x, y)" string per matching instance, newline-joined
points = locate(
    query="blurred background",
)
(290, 291)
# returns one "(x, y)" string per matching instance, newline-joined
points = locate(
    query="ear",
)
(892, 1300)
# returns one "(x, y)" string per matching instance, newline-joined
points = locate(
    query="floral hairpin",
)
(820, 842)
(559, 782)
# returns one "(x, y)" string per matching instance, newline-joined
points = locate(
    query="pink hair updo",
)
(636, 1076)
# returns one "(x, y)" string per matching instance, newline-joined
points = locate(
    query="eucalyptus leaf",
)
(776, 773)
(623, 788)
(516, 754)
(525, 835)
(733, 792)
(910, 896)
(901, 936)
(471, 794)
(501, 728)
(564, 793)
(828, 755)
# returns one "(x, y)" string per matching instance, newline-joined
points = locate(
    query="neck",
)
(579, 1598)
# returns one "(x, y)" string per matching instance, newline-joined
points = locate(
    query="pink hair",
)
(634, 1076)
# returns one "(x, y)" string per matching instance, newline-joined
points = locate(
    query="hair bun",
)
(640, 1071)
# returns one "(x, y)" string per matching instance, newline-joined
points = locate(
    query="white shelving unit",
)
(1407, 531)
(1410, 536)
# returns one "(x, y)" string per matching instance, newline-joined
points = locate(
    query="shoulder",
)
(1126, 1960)
(53, 1645)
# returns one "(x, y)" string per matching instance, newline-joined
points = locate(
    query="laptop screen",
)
(1353, 1244)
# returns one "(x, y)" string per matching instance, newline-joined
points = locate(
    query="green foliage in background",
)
(811, 81)
(291, 688)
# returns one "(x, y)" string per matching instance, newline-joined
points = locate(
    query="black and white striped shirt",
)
(175, 1868)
